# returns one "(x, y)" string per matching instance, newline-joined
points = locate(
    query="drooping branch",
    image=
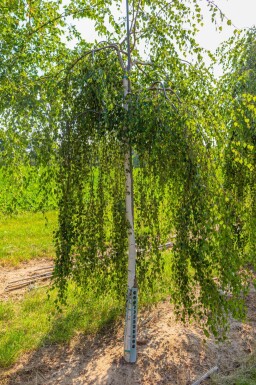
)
(109, 46)
(62, 15)
(164, 89)
(211, 3)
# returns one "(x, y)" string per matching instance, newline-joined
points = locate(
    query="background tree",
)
(32, 53)
(239, 159)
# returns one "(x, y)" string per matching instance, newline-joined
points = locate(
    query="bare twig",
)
(44, 268)
(143, 63)
(141, 69)
(44, 273)
(223, 16)
(206, 375)
(185, 61)
(29, 278)
(133, 25)
(27, 282)
(162, 88)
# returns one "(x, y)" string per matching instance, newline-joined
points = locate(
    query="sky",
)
(242, 13)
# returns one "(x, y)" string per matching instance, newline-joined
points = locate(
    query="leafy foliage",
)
(239, 155)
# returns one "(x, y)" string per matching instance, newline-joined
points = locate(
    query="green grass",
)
(245, 375)
(33, 322)
(26, 236)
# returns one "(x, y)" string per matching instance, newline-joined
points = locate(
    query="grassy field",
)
(26, 236)
(32, 322)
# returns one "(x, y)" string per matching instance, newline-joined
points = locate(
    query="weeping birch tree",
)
(142, 91)
(167, 115)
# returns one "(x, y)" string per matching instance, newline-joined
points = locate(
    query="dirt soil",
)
(169, 353)
(26, 270)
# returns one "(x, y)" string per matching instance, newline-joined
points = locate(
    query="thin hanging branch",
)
(164, 89)
(110, 46)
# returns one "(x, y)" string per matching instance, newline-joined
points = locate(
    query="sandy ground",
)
(26, 270)
(169, 353)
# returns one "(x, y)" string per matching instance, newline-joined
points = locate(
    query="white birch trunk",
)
(130, 354)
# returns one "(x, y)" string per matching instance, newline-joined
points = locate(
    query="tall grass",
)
(26, 236)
